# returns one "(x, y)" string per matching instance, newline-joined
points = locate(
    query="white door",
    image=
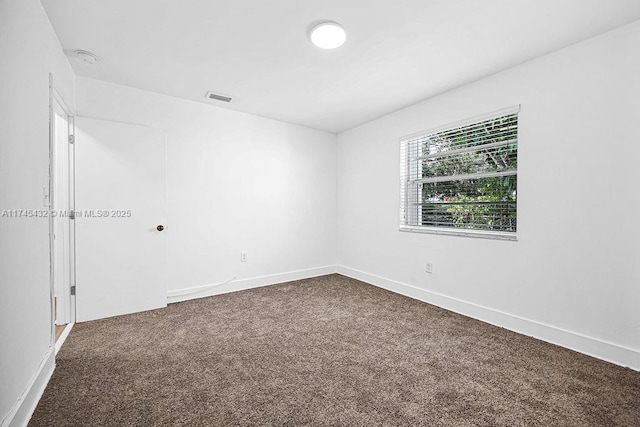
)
(120, 207)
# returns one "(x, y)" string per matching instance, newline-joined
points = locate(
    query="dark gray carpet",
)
(325, 351)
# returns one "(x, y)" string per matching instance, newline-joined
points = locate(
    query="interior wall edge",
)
(233, 285)
(30, 52)
(590, 346)
(22, 410)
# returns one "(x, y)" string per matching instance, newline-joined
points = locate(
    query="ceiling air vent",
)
(218, 97)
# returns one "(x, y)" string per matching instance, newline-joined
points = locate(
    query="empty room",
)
(333, 213)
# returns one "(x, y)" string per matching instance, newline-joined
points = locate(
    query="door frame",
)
(57, 106)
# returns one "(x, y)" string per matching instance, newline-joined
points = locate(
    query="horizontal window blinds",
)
(464, 176)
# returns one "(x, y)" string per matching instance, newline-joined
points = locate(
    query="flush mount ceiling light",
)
(328, 35)
(86, 56)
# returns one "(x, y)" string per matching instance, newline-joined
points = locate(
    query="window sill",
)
(493, 235)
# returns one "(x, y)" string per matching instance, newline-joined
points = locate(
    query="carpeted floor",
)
(325, 351)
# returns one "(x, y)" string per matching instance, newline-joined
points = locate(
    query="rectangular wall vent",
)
(218, 97)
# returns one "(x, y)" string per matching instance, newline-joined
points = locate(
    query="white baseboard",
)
(243, 284)
(594, 347)
(23, 409)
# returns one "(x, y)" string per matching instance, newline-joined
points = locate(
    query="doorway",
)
(61, 205)
(107, 204)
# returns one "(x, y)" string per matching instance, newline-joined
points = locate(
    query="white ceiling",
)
(397, 52)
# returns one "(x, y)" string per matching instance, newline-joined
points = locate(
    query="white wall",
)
(236, 183)
(576, 264)
(29, 51)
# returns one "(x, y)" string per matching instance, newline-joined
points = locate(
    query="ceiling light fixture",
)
(328, 35)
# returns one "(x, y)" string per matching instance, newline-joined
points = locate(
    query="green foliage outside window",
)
(476, 202)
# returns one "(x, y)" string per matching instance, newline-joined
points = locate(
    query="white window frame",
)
(405, 197)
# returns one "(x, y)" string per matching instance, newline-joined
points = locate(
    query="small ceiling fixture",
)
(328, 35)
(86, 56)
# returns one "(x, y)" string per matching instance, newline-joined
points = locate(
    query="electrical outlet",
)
(243, 257)
(429, 267)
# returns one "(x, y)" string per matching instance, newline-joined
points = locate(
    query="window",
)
(462, 178)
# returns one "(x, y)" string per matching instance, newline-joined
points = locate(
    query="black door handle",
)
(160, 227)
